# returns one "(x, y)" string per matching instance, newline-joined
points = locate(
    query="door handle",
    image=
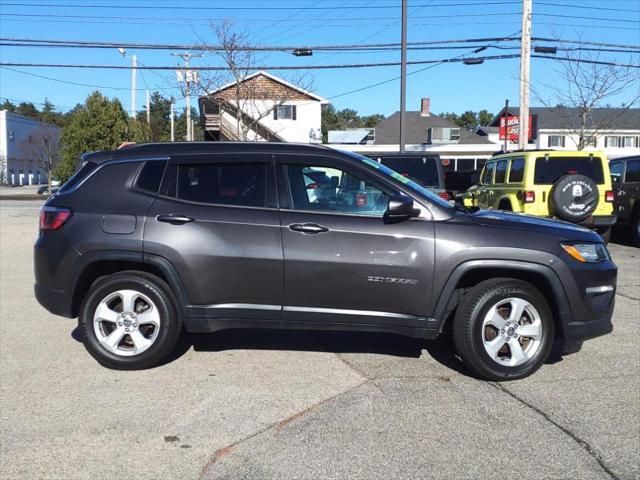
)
(174, 218)
(307, 228)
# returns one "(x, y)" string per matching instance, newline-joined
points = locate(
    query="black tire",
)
(606, 235)
(468, 332)
(573, 197)
(160, 294)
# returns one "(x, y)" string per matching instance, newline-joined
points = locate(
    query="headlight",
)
(587, 252)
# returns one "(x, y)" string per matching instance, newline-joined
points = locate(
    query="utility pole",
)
(403, 74)
(188, 78)
(134, 67)
(525, 63)
(148, 108)
(506, 125)
(173, 128)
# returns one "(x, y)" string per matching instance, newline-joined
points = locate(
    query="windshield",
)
(420, 190)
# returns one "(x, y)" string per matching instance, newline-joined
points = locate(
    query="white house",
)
(615, 131)
(18, 135)
(262, 107)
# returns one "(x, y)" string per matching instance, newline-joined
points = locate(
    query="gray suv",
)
(151, 239)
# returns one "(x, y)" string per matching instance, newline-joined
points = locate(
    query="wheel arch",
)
(94, 265)
(509, 201)
(470, 273)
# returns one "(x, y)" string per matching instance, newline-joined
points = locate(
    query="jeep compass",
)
(151, 239)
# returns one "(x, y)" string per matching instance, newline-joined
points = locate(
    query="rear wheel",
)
(129, 321)
(503, 329)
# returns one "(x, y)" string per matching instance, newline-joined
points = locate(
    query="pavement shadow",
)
(622, 236)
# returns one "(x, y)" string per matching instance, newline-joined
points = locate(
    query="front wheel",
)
(129, 321)
(503, 329)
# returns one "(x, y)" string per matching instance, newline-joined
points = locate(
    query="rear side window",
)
(617, 170)
(79, 176)
(422, 170)
(150, 176)
(549, 169)
(633, 171)
(501, 171)
(242, 184)
(516, 174)
(487, 174)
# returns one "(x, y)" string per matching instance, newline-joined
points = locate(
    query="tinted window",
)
(617, 169)
(501, 171)
(80, 175)
(327, 189)
(487, 174)
(549, 169)
(226, 184)
(516, 174)
(422, 170)
(465, 164)
(151, 176)
(633, 171)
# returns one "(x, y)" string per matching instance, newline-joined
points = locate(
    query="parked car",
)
(425, 170)
(570, 186)
(625, 177)
(149, 240)
(44, 190)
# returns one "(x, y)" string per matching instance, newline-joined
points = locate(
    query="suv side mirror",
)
(400, 208)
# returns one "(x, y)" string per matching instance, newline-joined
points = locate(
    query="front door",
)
(342, 263)
(216, 222)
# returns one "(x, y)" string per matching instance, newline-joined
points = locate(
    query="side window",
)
(242, 184)
(617, 170)
(151, 175)
(328, 189)
(501, 171)
(487, 174)
(633, 171)
(516, 174)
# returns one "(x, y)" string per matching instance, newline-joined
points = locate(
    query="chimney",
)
(425, 107)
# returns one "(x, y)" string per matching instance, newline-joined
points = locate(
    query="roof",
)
(275, 79)
(162, 149)
(416, 126)
(348, 136)
(569, 118)
(486, 130)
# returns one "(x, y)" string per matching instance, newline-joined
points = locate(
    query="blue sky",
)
(451, 87)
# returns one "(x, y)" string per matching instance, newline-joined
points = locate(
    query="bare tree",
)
(3, 170)
(42, 148)
(249, 100)
(585, 85)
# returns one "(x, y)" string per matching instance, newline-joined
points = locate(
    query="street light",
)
(134, 65)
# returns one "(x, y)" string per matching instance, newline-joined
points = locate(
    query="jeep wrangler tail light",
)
(52, 218)
(444, 196)
(529, 196)
(609, 196)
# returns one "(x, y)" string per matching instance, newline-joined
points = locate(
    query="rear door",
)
(631, 186)
(215, 220)
(342, 263)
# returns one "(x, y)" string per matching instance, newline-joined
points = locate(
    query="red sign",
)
(513, 128)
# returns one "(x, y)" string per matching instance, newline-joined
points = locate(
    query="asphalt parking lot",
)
(298, 405)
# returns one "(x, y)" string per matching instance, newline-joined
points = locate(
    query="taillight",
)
(361, 200)
(52, 218)
(529, 196)
(609, 196)
(444, 196)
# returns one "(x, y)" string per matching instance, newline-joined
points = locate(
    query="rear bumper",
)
(599, 221)
(55, 301)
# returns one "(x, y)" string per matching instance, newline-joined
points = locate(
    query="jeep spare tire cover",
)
(573, 197)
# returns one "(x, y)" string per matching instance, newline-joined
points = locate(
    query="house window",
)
(612, 142)
(555, 141)
(454, 136)
(629, 142)
(590, 141)
(285, 112)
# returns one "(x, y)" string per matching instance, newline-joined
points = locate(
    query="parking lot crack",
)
(627, 296)
(276, 426)
(574, 436)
